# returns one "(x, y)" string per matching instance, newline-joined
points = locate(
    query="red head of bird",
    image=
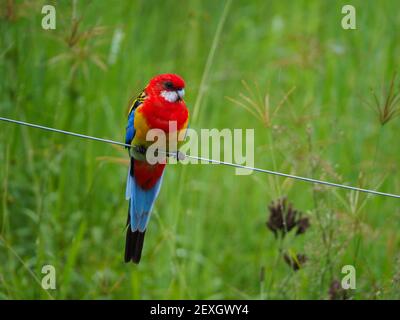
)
(168, 87)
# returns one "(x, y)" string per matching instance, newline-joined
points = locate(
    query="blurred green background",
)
(62, 198)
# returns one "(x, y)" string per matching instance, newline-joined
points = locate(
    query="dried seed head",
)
(295, 261)
(302, 225)
(387, 107)
(259, 105)
(283, 218)
(336, 292)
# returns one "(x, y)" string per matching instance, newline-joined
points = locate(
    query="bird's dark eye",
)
(168, 85)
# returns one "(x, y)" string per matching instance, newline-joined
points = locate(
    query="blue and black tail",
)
(134, 243)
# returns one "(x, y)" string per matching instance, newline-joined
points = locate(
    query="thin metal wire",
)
(64, 132)
(181, 156)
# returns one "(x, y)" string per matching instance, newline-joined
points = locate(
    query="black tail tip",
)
(134, 245)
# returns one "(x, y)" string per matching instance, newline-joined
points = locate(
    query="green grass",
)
(63, 204)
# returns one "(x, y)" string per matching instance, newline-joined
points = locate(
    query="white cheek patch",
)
(170, 96)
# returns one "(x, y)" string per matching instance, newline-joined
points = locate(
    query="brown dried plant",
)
(12, 10)
(295, 261)
(283, 217)
(261, 108)
(387, 107)
(81, 47)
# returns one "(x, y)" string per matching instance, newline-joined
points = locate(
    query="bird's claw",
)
(180, 156)
(138, 152)
(141, 149)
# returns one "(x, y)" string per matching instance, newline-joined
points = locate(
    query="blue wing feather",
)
(130, 129)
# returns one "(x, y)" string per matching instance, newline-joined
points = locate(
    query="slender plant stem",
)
(210, 59)
(357, 225)
(34, 276)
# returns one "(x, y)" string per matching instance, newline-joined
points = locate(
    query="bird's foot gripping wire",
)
(178, 155)
(138, 152)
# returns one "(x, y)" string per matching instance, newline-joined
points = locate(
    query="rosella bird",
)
(156, 106)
